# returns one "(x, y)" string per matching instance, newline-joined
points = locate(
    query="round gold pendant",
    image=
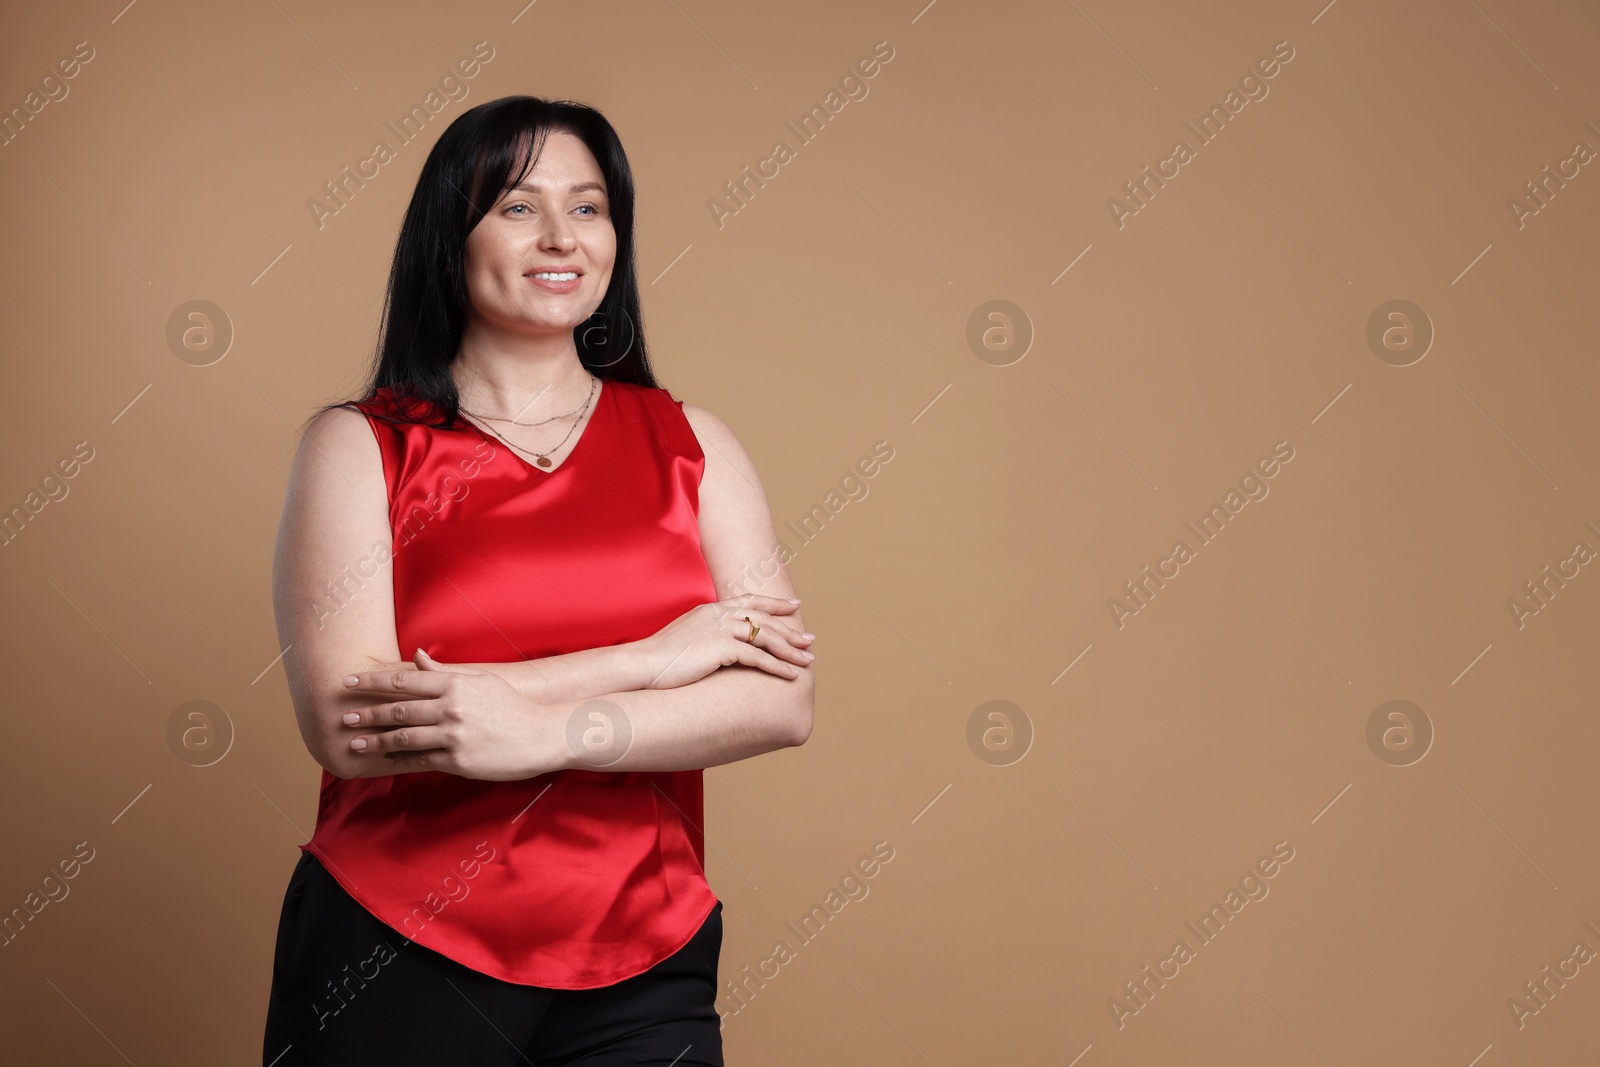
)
(544, 461)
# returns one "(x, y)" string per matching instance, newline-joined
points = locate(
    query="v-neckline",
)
(603, 393)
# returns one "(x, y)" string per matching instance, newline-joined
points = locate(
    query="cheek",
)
(494, 269)
(603, 256)
(491, 249)
(482, 285)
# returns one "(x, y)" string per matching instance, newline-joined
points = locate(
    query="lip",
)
(556, 287)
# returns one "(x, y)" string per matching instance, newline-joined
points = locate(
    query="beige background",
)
(831, 313)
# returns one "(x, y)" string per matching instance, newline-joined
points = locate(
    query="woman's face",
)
(557, 217)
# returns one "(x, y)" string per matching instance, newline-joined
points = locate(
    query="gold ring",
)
(754, 629)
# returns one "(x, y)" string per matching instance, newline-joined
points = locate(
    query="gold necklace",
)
(541, 422)
(542, 458)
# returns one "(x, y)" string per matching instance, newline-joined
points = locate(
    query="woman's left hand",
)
(444, 717)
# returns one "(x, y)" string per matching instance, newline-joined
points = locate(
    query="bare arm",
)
(675, 656)
(589, 672)
(729, 715)
(698, 642)
(335, 516)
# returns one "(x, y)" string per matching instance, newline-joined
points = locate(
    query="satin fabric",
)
(572, 879)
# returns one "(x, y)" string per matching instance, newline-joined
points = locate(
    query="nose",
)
(557, 234)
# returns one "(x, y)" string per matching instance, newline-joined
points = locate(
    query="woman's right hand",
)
(715, 635)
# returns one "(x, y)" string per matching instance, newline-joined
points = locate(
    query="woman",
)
(496, 580)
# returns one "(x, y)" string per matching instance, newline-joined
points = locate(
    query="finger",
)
(775, 605)
(788, 633)
(773, 635)
(409, 762)
(743, 602)
(428, 663)
(411, 682)
(770, 604)
(403, 739)
(777, 645)
(780, 640)
(399, 713)
(778, 627)
(751, 656)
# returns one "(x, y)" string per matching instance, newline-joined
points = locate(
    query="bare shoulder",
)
(335, 508)
(337, 427)
(339, 442)
(718, 441)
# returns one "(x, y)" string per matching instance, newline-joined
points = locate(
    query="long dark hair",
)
(478, 157)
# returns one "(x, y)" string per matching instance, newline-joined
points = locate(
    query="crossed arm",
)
(516, 720)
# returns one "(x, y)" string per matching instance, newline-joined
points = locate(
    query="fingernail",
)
(351, 679)
(360, 742)
(809, 637)
(808, 655)
(353, 718)
(794, 600)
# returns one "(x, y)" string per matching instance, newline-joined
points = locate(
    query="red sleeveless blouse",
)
(572, 879)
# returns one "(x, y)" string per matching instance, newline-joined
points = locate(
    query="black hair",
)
(479, 156)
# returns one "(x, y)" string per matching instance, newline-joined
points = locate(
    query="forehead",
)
(563, 160)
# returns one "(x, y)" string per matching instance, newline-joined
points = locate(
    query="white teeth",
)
(566, 276)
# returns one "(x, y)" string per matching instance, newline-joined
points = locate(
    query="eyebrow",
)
(581, 187)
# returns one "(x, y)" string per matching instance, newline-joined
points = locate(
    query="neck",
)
(522, 381)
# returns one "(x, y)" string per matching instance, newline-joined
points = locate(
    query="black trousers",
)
(349, 990)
